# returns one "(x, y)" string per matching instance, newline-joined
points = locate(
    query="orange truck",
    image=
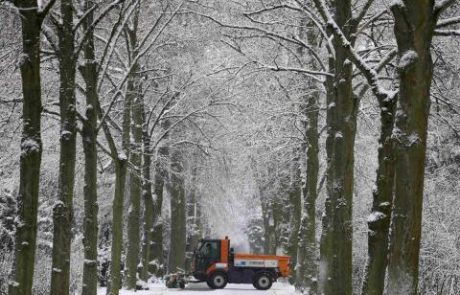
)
(215, 263)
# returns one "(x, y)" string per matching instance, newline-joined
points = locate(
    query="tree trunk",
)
(21, 277)
(193, 218)
(135, 183)
(156, 252)
(157, 255)
(307, 268)
(379, 219)
(269, 226)
(121, 166)
(415, 21)
(336, 239)
(148, 205)
(132, 255)
(178, 215)
(63, 209)
(89, 73)
(89, 138)
(114, 283)
(295, 211)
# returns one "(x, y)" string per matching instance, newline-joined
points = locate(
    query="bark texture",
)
(89, 138)
(63, 209)
(21, 277)
(147, 198)
(194, 224)
(135, 184)
(415, 21)
(306, 270)
(342, 105)
(114, 283)
(161, 175)
(295, 211)
(121, 169)
(270, 241)
(133, 93)
(178, 215)
(379, 219)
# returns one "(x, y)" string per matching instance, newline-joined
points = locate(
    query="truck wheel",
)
(217, 280)
(263, 281)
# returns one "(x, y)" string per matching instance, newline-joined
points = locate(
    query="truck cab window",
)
(210, 249)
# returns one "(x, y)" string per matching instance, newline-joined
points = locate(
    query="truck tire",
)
(262, 281)
(218, 280)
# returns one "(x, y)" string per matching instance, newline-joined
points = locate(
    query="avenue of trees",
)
(324, 130)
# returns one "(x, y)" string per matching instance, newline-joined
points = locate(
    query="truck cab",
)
(215, 263)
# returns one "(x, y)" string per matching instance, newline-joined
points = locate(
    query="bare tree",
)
(32, 16)
(414, 31)
(307, 268)
(63, 209)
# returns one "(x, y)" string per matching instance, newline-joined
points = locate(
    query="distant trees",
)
(346, 25)
(187, 110)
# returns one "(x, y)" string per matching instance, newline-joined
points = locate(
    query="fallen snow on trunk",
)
(202, 288)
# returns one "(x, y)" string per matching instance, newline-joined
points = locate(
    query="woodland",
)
(326, 130)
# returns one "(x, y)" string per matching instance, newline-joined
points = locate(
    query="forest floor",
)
(198, 289)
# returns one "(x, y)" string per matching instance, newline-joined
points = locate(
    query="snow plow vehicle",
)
(216, 263)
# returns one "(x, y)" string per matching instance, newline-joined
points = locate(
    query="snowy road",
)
(199, 289)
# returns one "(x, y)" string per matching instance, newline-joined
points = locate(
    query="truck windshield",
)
(209, 249)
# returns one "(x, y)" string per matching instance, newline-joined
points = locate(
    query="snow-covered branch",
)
(44, 9)
(293, 40)
(448, 22)
(442, 5)
(447, 33)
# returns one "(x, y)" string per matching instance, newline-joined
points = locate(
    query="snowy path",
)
(202, 288)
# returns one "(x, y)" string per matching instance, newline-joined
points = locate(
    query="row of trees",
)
(357, 38)
(271, 103)
(115, 79)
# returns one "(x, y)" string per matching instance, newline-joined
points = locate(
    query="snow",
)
(65, 134)
(122, 156)
(90, 262)
(14, 283)
(40, 5)
(200, 288)
(407, 59)
(58, 203)
(397, 3)
(375, 216)
(30, 145)
(441, 4)
(22, 59)
(413, 138)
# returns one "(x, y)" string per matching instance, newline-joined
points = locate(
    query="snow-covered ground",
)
(202, 288)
